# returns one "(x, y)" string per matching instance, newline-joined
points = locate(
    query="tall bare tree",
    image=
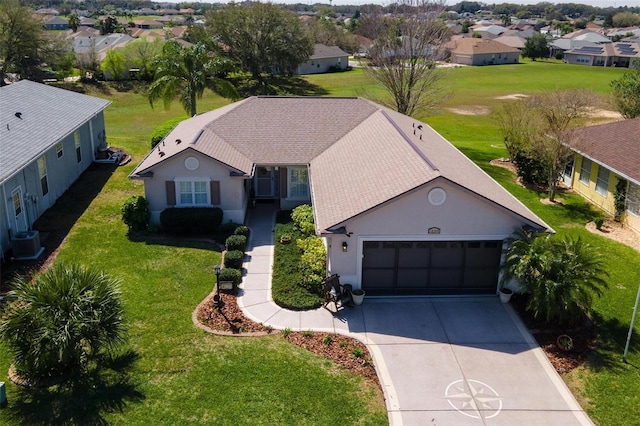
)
(403, 58)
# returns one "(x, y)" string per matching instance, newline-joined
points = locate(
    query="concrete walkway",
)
(440, 361)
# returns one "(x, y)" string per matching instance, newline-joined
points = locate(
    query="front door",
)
(264, 182)
(18, 210)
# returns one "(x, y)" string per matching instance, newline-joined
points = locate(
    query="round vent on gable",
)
(437, 196)
(191, 163)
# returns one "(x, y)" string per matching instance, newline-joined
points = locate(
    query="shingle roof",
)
(321, 51)
(348, 143)
(48, 114)
(472, 45)
(614, 145)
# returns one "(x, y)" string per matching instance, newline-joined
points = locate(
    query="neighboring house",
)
(562, 45)
(48, 137)
(514, 41)
(85, 45)
(56, 23)
(477, 51)
(605, 154)
(148, 24)
(400, 209)
(587, 35)
(604, 55)
(324, 59)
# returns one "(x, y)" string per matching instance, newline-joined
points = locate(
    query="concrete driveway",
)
(460, 361)
(441, 360)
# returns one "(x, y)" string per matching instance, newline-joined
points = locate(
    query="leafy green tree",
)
(536, 47)
(141, 54)
(58, 324)
(560, 276)
(115, 64)
(625, 19)
(74, 22)
(626, 92)
(263, 38)
(20, 39)
(186, 72)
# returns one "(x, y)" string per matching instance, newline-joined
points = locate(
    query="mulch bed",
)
(347, 352)
(562, 360)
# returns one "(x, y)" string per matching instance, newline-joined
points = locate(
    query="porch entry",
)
(265, 183)
(430, 267)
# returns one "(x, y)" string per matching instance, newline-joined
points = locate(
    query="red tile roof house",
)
(400, 209)
(604, 155)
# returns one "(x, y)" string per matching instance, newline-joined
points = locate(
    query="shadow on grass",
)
(83, 401)
(279, 86)
(155, 238)
(611, 340)
(54, 225)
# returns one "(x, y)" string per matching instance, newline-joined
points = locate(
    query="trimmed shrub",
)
(191, 220)
(302, 217)
(135, 213)
(242, 230)
(233, 259)
(225, 230)
(236, 242)
(312, 264)
(231, 274)
(164, 129)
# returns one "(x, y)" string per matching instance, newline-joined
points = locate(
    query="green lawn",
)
(179, 374)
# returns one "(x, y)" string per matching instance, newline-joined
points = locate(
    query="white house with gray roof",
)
(324, 59)
(401, 210)
(48, 137)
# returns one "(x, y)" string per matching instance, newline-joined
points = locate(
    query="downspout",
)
(93, 146)
(26, 199)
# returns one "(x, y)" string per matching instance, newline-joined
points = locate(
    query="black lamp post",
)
(216, 298)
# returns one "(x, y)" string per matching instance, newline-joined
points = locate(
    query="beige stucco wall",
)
(463, 216)
(232, 193)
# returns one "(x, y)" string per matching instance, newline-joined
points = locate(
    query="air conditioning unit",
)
(26, 244)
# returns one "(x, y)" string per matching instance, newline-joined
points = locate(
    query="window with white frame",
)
(59, 152)
(76, 140)
(193, 192)
(602, 181)
(633, 199)
(42, 172)
(298, 182)
(585, 171)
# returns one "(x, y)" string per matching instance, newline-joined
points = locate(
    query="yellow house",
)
(606, 163)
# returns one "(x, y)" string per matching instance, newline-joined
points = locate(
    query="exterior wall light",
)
(345, 246)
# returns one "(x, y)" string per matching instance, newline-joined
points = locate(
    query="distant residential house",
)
(604, 155)
(85, 44)
(562, 45)
(56, 23)
(496, 30)
(324, 59)
(87, 22)
(49, 136)
(604, 55)
(622, 32)
(587, 35)
(512, 41)
(477, 51)
(47, 11)
(148, 24)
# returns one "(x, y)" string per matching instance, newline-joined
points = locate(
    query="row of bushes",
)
(236, 245)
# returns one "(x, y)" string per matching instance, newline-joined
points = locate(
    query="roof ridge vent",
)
(409, 141)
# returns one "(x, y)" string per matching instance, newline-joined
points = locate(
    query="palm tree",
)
(185, 71)
(74, 22)
(59, 322)
(561, 276)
